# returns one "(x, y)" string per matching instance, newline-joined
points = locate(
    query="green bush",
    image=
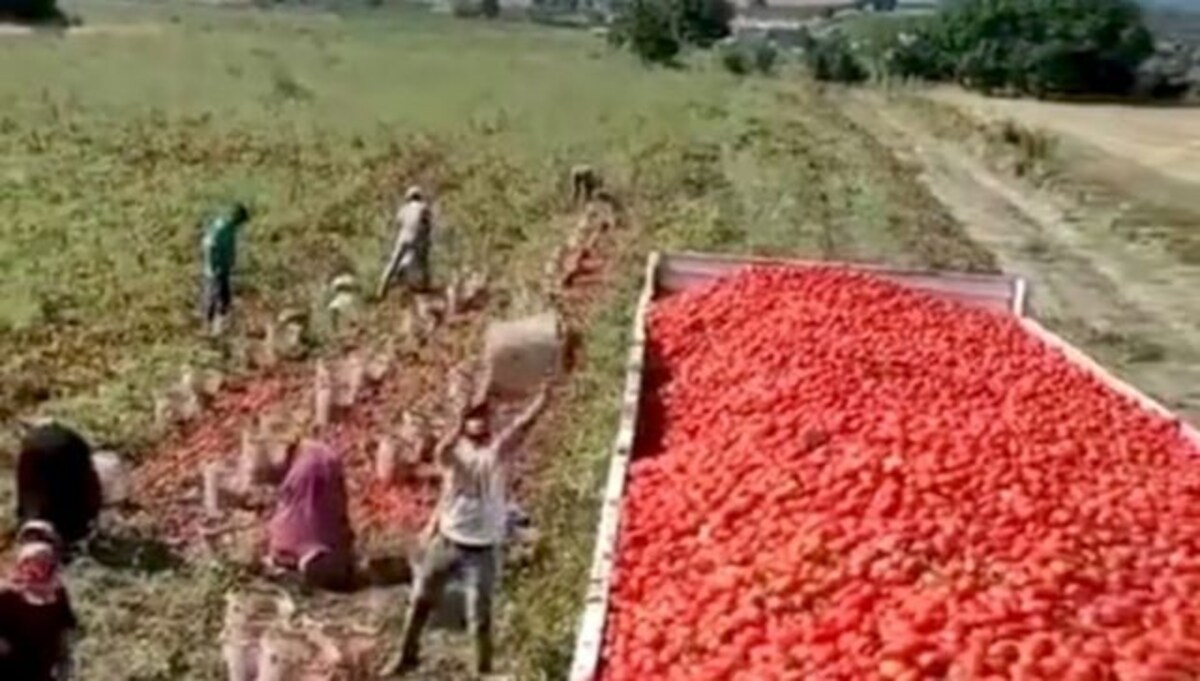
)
(703, 22)
(647, 27)
(743, 57)
(766, 55)
(475, 9)
(735, 60)
(1037, 47)
(912, 55)
(657, 30)
(465, 9)
(832, 58)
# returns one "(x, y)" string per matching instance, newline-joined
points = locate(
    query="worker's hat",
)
(38, 532)
(293, 315)
(345, 282)
(239, 212)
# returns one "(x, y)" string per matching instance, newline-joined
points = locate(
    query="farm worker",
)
(310, 529)
(469, 524)
(293, 322)
(410, 256)
(219, 249)
(36, 618)
(584, 183)
(345, 295)
(57, 482)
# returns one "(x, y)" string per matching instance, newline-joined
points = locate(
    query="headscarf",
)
(35, 575)
(344, 282)
(239, 213)
(479, 409)
(310, 515)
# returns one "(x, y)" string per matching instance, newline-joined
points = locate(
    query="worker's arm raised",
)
(508, 437)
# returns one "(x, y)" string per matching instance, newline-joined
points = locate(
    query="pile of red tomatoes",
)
(840, 478)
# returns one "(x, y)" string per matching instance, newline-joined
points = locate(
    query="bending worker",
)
(57, 483)
(310, 531)
(470, 523)
(410, 256)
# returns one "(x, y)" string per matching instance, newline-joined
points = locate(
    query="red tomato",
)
(839, 478)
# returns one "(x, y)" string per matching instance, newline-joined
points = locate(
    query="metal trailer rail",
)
(668, 273)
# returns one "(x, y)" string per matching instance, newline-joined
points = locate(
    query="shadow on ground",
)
(122, 549)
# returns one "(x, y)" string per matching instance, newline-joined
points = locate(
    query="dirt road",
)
(1166, 140)
(1134, 308)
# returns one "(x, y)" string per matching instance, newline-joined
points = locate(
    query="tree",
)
(1039, 47)
(30, 11)
(703, 22)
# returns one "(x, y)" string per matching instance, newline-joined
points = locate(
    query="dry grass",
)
(1160, 139)
(1129, 166)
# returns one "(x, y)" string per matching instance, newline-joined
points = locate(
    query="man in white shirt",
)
(414, 232)
(469, 526)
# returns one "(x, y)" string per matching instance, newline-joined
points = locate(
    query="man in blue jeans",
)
(470, 524)
(219, 249)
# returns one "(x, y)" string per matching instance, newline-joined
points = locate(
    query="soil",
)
(1131, 305)
(1163, 139)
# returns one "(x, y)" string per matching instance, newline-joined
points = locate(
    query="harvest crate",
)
(668, 273)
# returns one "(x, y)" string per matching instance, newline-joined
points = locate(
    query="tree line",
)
(1041, 48)
(31, 11)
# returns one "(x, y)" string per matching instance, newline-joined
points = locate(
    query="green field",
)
(117, 142)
